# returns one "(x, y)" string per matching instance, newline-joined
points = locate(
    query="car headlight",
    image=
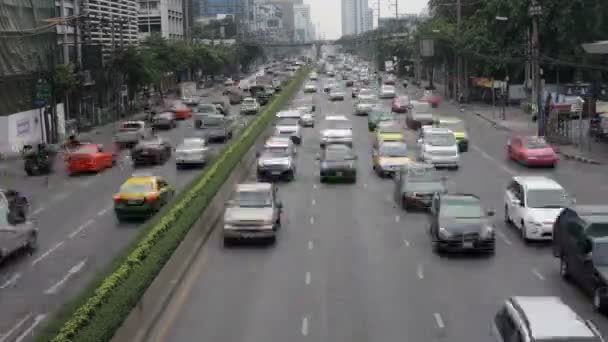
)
(535, 223)
(444, 234)
(411, 194)
(487, 232)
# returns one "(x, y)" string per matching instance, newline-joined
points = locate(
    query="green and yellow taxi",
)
(141, 196)
(387, 131)
(457, 126)
(389, 157)
(376, 115)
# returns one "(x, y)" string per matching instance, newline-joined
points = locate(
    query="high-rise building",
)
(302, 23)
(369, 20)
(165, 17)
(354, 16)
(211, 8)
(111, 23)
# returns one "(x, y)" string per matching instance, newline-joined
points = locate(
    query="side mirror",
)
(491, 212)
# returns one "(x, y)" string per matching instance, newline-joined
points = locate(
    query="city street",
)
(351, 265)
(79, 234)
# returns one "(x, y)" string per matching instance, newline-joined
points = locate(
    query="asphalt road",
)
(349, 265)
(79, 234)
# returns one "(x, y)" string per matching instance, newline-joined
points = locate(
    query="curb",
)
(579, 158)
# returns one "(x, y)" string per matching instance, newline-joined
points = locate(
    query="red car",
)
(531, 151)
(401, 104)
(390, 80)
(88, 157)
(432, 99)
(181, 111)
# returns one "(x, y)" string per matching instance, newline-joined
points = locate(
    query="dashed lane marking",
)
(311, 245)
(314, 202)
(307, 278)
(504, 238)
(30, 329)
(397, 218)
(314, 186)
(538, 274)
(420, 272)
(38, 211)
(305, 326)
(81, 228)
(312, 220)
(10, 281)
(4, 337)
(439, 320)
(57, 286)
(406, 243)
(47, 253)
(104, 211)
(494, 160)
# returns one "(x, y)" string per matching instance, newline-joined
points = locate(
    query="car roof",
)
(285, 142)
(289, 113)
(137, 179)
(549, 317)
(458, 195)
(449, 119)
(253, 187)
(128, 122)
(438, 130)
(537, 182)
(392, 143)
(336, 118)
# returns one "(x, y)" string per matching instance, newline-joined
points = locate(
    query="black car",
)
(580, 241)
(264, 96)
(459, 223)
(338, 163)
(416, 184)
(151, 151)
(165, 120)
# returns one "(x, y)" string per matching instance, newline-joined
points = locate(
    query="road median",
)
(101, 309)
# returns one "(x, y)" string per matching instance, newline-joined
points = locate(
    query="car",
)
(203, 110)
(389, 157)
(457, 126)
(307, 119)
(416, 184)
(531, 151)
(387, 131)
(439, 147)
(216, 127)
(190, 101)
(16, 231)
(277, 160)
(419, 115)
(89, 158)
(129, 133)
(264, 95)
(338, 163)
(376, 115)
(191, 151)
(365, 103)
(532, 204)
(329, 84)
(289, 127)
(229, 82)
(313, 76)
(459, 223)
(181, 111)
(234, 96)
(254, 213)
(164, 120)
(401, 104)
(151, 151)
(349, 83)
(390, 80)
(355, 91)
(387, 92)
(336, 129)
(336, 94)
(310, 87)
(250, 106)
(141, 196)
(541, 319)
(431, 98)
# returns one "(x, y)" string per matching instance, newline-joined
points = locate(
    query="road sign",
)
(43, 93)
(427, 48)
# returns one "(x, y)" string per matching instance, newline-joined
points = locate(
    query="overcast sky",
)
(327, 13)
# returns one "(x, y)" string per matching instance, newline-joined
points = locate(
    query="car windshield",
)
(336, 153)
(288, 122)
(253, 199)
(455, 126)
(600, 253)
(547, 198)
(368, 100)
(211, 121)
(393, 150)
(192, 144)
(338, 124)
(130, 126)
(206, 109)
(137, 187)
(249, 101)
(535, 142)
(599, 228)
(462, 208)
(441, 139)
(275, 152)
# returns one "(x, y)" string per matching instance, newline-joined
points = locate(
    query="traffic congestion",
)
(382, 214)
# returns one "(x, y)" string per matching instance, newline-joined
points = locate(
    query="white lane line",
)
(47, 253)
(311, 245)
(312, 220)
(314, 186)
(307, 280)
(16, 327)
(439, 320)
(314, 202)
(31, 328)
(75, 269)
(406, 243)
(305, 326)
(38, 211)
(10, 281)
(81, 228)
(495, 161)
(538, 274)
(397, 218)
(104, 211)
(504, 238)
(420, 272)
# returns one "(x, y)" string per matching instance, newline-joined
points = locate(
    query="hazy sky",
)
(328, 15)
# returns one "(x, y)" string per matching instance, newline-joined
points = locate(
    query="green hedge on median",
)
(100, 310)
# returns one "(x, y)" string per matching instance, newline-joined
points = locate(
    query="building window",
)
(69, 11)
(58, 11)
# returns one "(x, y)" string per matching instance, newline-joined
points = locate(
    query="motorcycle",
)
(38, 162)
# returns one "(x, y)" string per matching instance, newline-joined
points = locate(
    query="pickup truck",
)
(129, 133)
(16, 231)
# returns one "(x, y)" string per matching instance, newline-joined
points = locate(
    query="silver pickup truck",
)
(253, 214)
(16, 232)
(129, 133)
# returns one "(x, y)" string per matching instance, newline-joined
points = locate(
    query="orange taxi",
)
(88, 157)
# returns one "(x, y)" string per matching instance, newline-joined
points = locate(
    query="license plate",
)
(276, 173)
(248, 235)
(145, 153)
(467, 244)
(134, 201)
(339, 174)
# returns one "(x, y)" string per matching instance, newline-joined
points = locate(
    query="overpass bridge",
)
(293, 44)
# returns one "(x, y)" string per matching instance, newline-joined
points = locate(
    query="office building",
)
(302, 23)
(111, 23)
(67, 31)
(164, 17)
(369, 20)
(355, 16)
(211, 8)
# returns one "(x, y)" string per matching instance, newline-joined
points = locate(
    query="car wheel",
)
(32, 244)
(404, 205)
(524, 234)
(564, 271)
(598, 304)
(507, 218)
(272, 240)
(227, 242)
(322, 180)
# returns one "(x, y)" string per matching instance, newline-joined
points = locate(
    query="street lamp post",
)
(535, 11)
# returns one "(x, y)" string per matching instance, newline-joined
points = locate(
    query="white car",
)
(250, 106)
(229, 82)
(308, 116)
(314, 76)
(290, 127)
(387, 92)
(336, 129)
(192, 151)
(336, 94)
(365, 103)
(532, 204)
(438, 146)
(310, 87)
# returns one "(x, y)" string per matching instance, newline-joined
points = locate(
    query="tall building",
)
(67, 32)
(111, 23)
(302, 23)
(165, 17)
(369, 20)
(211, 8)
(354, 16)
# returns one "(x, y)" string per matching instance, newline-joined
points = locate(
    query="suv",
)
(416, 184)
(581, 242)
(439, 147)
(541, 319)
(289, 127)
(419, 115)
(459, 223)
(337, 129)
(216, 127)
(129, 133)
(277, 160)
(253, 213)
(532, 204)
(250, 106)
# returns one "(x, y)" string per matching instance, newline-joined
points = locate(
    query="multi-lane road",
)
(350, 265)
(79, 234)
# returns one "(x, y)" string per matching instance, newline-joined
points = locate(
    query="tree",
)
(247, 53)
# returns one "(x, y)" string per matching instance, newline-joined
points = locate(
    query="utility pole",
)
(535, 11)
(458, 59)
(396, 10)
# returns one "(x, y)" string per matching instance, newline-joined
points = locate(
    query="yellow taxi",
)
(457, 126)
(389, 157)
(141, 196)
(387, 131)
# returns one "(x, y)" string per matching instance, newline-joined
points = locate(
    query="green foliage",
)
(65, 80)
(100, 310)
(212, 29)
(248, 53)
